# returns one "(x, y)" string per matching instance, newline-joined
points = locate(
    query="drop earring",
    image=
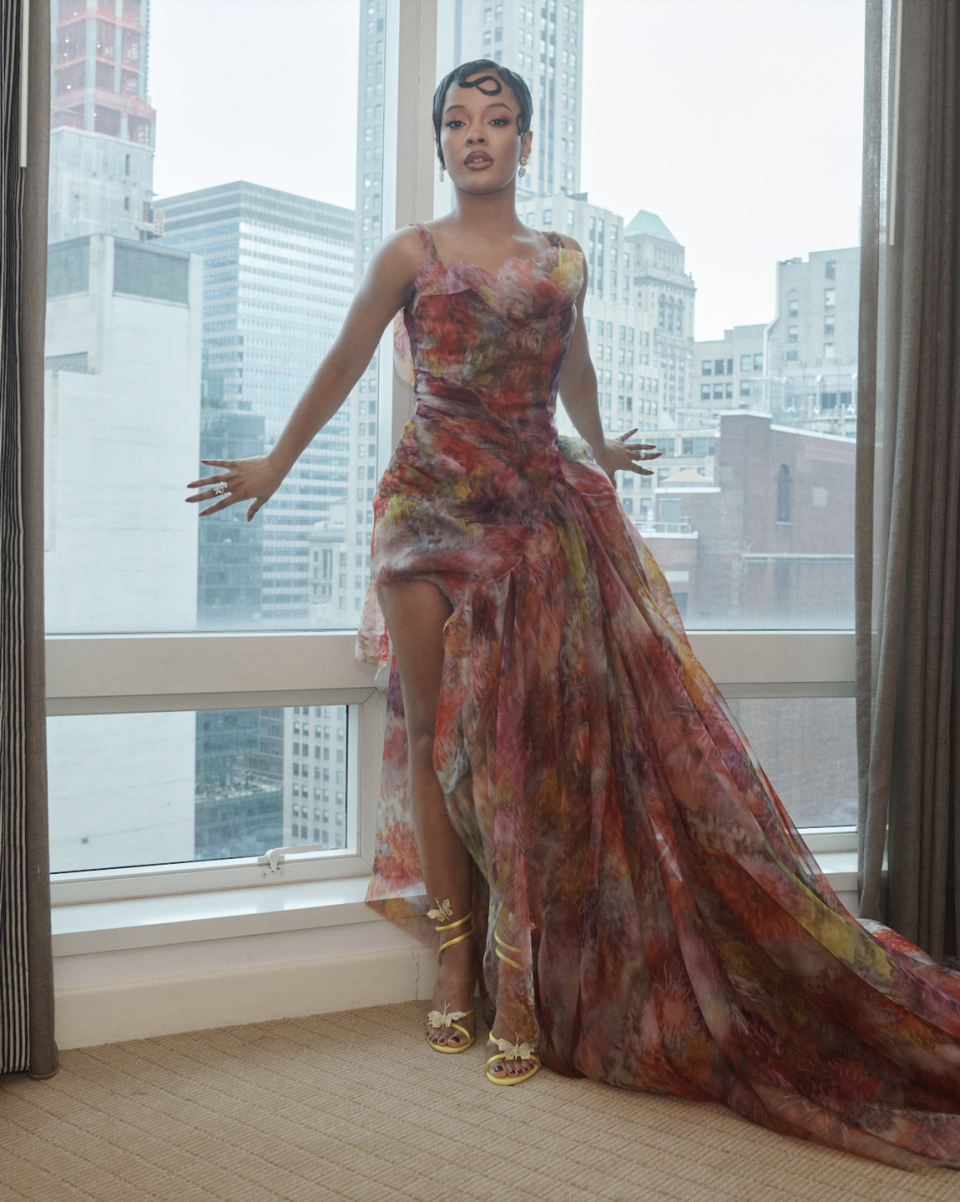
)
(441, 173)
(523, 167)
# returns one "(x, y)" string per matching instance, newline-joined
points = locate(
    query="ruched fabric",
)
(671, 931)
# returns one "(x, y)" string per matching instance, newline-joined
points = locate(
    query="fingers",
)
(206, 481)
(639, 456)
(638, 446)
(209, 495)
(223, 504)
(241, 480)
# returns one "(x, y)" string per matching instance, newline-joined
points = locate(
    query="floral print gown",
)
(661, 925)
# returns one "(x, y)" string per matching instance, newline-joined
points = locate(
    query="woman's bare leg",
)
(415, 613)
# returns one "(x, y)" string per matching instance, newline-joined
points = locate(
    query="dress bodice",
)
(494, 339)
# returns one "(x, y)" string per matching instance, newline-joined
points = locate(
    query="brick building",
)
(769, 542)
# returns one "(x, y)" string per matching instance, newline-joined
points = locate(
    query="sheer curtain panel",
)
(908, 473)
(26, 967)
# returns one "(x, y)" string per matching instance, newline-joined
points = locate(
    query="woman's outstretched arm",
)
(578, 391)
(386, 287)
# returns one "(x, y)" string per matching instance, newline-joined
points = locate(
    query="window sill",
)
(90, 927)
(87, 927)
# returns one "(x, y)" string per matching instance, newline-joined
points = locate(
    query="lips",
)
(477, 159)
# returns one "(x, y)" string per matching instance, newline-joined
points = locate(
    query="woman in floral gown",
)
(557, 763)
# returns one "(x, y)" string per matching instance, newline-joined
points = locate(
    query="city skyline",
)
(722, 161)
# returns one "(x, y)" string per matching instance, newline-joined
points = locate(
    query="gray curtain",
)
(908, 473)
(26, 965)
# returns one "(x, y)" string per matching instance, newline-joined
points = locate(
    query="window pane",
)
(820, 789)
(133, 789)
(756, 287)
(202, 258)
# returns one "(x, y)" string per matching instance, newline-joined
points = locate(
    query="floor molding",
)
(111, 1011)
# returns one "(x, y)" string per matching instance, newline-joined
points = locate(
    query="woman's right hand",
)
(254, 480)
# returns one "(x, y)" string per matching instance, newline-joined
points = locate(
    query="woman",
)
(565, 799)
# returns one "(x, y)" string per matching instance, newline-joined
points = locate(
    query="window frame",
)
(161, 673)
(105, 674)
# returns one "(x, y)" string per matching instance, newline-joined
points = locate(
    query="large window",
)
(208, 227)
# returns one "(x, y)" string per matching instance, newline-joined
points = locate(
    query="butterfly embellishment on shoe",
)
(437, 1019)
(512, 1051)
(443, 911)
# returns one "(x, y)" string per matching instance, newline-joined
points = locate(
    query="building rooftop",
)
(651, 225)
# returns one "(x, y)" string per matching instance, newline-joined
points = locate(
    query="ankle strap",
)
(450, 925)
(450, 942)
(444, 910)
(510, 948)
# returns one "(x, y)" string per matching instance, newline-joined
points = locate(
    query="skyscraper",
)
(369, 163)
(350, 560)
(278, 278)
(661, 286)
(101, 121)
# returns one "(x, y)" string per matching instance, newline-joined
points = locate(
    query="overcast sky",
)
(737, 121)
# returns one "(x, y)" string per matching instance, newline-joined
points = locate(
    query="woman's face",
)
(478, 138)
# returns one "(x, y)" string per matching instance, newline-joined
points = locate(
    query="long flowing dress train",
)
(670, 930)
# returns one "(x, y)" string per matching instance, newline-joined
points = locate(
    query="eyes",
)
(456, 123)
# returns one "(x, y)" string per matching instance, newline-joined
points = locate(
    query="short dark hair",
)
(490, 84)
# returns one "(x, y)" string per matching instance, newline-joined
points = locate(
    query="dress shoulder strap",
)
(427, 239)
(552, 237)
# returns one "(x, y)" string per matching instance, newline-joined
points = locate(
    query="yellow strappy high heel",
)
(438, 1018)
(507, 1050)
(511, 1051)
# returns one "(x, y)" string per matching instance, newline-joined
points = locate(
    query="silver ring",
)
(220, 488)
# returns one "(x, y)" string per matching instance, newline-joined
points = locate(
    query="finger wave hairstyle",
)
(490, 84)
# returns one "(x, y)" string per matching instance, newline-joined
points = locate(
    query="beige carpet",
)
(355, 1106)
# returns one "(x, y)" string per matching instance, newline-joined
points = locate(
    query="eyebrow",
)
(498, 104)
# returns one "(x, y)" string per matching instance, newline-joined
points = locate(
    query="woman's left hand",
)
(621, 455)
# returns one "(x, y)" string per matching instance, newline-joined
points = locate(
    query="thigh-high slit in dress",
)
(670, 931)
